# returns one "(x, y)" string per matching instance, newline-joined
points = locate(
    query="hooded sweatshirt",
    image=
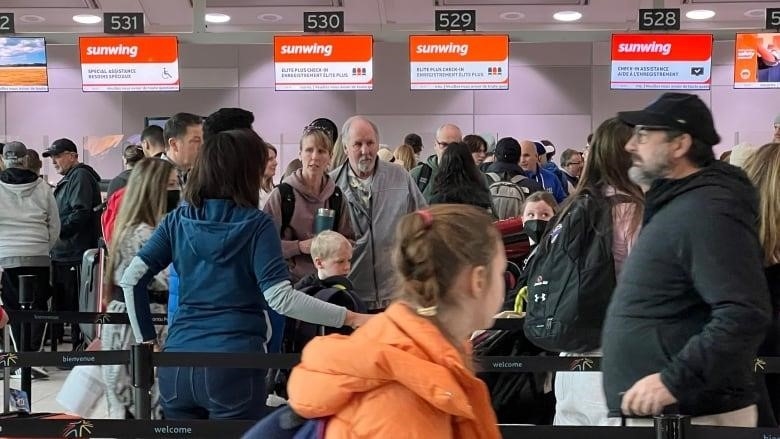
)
(302, 222)
(29, 220)
(433, 163)
(230, 268)
(691, 301)
(395, 377)
(77, 195)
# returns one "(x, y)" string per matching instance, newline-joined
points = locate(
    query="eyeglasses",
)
(308, 129)
(642, 132)
(573, 163)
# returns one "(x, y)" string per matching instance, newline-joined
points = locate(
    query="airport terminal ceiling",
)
(257, 21)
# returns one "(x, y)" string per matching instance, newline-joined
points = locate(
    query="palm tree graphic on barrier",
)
(8, 359)
(81, 428)
(581, 364)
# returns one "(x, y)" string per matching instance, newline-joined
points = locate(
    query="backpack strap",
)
(494, 178)
(335, 202)
(288, 206)
(424, 177)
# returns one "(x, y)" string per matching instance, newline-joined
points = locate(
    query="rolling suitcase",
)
(91, 288)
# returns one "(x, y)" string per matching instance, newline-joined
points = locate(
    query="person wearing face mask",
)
(151, 192)
(538, 209)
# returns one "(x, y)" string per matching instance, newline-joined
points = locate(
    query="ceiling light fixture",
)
(567, 16)
(87, 19)
(216, 18)
(269, 18)
(29, 18)
(700, 14)
(511, 16)
(755, 13)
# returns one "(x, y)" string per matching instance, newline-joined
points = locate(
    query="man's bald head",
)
(529, 158)
(446, 134)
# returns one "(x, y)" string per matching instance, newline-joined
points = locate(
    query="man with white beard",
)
(379, 194)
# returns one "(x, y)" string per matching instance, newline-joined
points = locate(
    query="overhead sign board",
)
(757, 60)
(476, 62)
(661, 61)
(129, 63)
(324, 62)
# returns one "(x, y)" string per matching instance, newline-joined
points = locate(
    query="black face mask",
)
(535, 229)
(172, 200)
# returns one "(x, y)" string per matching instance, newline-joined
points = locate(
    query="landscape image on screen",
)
(23, 64)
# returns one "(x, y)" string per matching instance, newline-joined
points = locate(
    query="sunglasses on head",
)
(312, 128)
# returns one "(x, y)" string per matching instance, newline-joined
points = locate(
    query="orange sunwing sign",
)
(324, 62)
(661, 61)
(476, 62)
(757, 61)
(147, 63)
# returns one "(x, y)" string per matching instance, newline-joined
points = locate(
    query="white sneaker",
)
(275, 400)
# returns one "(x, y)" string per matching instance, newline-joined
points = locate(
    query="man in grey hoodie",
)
(29, 228)
(379, 194)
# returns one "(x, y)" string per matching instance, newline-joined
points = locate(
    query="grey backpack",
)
(508, 196)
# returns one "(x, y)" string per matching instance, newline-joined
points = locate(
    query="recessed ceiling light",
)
(755, 13)
(567, 16)
(511, 16)
(217, 18)
(29, 18)
(700, 14)
(269, 18)
(87, 19)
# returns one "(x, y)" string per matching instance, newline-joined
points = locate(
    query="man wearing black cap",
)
(686, 320)
(505, 168)
(77, 195)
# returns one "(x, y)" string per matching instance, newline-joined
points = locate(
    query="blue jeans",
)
(212, 393)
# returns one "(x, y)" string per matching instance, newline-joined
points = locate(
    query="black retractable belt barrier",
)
(143, 378)
(98, 318)
(26, 299)
(672, 427)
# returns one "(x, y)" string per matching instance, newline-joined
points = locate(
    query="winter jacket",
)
(433, 163)
(549, 182)
(395, 377)
(302, 222)
(393, 195)
(77, 195)
(691, 301)
(230, 263)
(29, 220)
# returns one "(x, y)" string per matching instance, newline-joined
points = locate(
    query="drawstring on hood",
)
(297, 182)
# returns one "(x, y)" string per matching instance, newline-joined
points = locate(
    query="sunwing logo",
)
(121, 49)
(460, 49)
(653, 47)
(310, 49)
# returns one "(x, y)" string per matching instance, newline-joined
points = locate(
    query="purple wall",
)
(558, 90)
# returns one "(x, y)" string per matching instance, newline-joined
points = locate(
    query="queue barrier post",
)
(143, 377)
(26, 299)
(672, 426)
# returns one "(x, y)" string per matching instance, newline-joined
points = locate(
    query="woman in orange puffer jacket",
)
(407, 373)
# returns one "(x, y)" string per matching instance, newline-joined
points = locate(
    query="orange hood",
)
(397, 346)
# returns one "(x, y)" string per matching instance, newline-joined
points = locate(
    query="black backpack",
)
(288, 205)
(424, 177)
(571, 277)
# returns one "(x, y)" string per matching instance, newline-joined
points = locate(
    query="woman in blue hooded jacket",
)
(228, 256)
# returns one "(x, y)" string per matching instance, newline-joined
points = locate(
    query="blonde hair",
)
(144, 202)
(405, 154)
(327, 243)
(763, 169)
(435, 244)
(339, 156)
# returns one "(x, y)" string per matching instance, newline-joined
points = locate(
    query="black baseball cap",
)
(508, 150)
(59, 146)
(681, 111)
